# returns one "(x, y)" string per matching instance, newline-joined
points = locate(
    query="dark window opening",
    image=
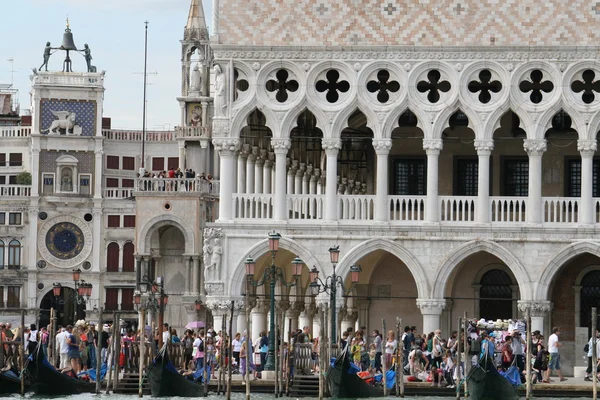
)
(410, 177)
(112, 162)
(516, 177)
(590, 297)
(495, 295)
(467, 173)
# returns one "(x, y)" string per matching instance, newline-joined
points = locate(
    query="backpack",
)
(586, 348)
(475, 347)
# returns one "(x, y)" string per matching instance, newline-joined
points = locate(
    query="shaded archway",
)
(66, 309)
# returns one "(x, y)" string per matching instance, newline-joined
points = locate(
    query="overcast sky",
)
(114, 30)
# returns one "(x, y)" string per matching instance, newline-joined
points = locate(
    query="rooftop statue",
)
(47, 53)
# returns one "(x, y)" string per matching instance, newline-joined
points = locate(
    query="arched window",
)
(495, 295)
(14, 254)
(128, 258)
(112, 257)
(590, 296)
(1, 254)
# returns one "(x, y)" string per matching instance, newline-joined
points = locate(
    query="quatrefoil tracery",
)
(485, 86)
(434, 86)
(588, 85)
(332, 86)
(241, 85)
(282, 85)
(383, 85)
(537, 86)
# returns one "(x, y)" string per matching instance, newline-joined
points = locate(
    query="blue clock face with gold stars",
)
(65, 240)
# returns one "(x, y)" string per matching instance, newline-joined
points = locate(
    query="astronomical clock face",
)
(65, 241)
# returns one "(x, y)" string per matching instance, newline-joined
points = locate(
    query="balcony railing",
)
(136, 136)
(560, 210)
(303, 206)
(508, 209)
(15, 131)
(192, 132)
(457, 208)
(253, 206)
(407, 208)
(356, 207)
(15, 190)
(117, 193)
(168, 185)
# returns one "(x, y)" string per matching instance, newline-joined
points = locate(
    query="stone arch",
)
(145, 235)
(558, 260)
(240, 119)
(340, 122)
(593, 127)
(493, 121)
(411, 262)
(290, 121)
(443, 121)
(475, 246)
(545, 120)
(391, 120)
(262, 247)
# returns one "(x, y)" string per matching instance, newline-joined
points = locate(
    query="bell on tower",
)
(68, 44)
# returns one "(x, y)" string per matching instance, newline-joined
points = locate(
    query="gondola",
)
(50, 382)
(485, 383)
(10, 383)
(344, 384)
(166, 381)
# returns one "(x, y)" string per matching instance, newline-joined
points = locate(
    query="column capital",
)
(433, 146)
(431, 306)
(331, 146)
(535, 147)
(484, 147)
(537, 308)
(587, 148)
(281, 146)
(382, 146)
(310, 310)
(226, 146)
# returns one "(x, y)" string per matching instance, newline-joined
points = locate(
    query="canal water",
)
(234, 396)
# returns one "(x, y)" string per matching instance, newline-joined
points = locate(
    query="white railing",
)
(560, 209)
(356, 207)
(117, 193)
(306, 206)
(407, 208)
(15, 190)
(253, 206)
(70, 78)
(167, 185)
(192, 132)
(15, 131)
(508, 209)
(457, 209)
(136, 136)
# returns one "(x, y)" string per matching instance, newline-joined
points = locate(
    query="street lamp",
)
(272, 275)
(81, 294)
(156, 301)
(330, 286)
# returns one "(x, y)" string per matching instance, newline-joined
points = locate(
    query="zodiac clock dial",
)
(65, 240)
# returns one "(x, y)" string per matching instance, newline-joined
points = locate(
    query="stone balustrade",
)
(15, 131)
(136, 136)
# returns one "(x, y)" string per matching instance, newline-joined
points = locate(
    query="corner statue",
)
(87, 54)
(47, 54)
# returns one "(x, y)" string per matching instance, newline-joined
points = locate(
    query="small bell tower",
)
(193, 133)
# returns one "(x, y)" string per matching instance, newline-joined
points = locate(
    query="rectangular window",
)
(158, 164)
(127, 183)
(127, 299)
(85, 184)
(129, 221)
(112, 299)
(516, 177)
(12, 180)
(129, 163)
(573, 184)
(16, 159)
(466, 176)
(173, 162)
(112, 183)
(48, 183)
(2, 247)
(3, 180)
(14, 218)
(410, 177)
(114, 221)
(3, 160)
(112, 162)
(13, 300)
(2, 218)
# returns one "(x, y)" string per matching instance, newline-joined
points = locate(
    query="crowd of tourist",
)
(201, 181)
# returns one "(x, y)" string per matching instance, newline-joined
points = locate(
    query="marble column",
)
(98, 165)
(250, 170)
(298, 178)
(258, 171)
(267, 173)
(291, 176)
(432, 147)
(196, 274)
(535, 149)
(227, 149)
(259, 317)
(587, 149)
(181, 146)
(539, 310)
(35, 169)
(240, 322)
(241, 168)
(382, 149)
(306, 179)
(280, 147)
(332, 148)
(484, 149)
(431, 309)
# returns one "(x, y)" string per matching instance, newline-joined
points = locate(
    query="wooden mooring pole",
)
(528, 355)
(99, 331)
(594, 353)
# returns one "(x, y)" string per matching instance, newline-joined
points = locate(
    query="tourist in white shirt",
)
(166, 335)
(588, 371)
(61, 340)
(390, 347)
(236, 344)
(553, 346)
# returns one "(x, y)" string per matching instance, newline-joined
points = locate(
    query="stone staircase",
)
(305, 386)
(129, 384)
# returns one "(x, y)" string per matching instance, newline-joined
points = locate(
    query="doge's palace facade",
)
(448, 148)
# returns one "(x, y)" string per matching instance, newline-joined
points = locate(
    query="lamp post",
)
(272, 275)
(330, 286)
(82, 294)
(156, 300)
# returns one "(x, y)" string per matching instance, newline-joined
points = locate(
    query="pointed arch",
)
(593, 127)
(443, 121)
(391, 120)
(557, 261)
(493, 121)
(369, 246)
(290, 121)
(240, 119)
(450, 264)
(340, 122)
(262, 247)
(545, 120)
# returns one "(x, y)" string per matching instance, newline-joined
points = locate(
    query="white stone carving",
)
(66, 120)
(87, 241)
(227, 146)
(538, 308)
(431, 306)
(587, 147)
(213, 253)
(220, 92)
(535, 147)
